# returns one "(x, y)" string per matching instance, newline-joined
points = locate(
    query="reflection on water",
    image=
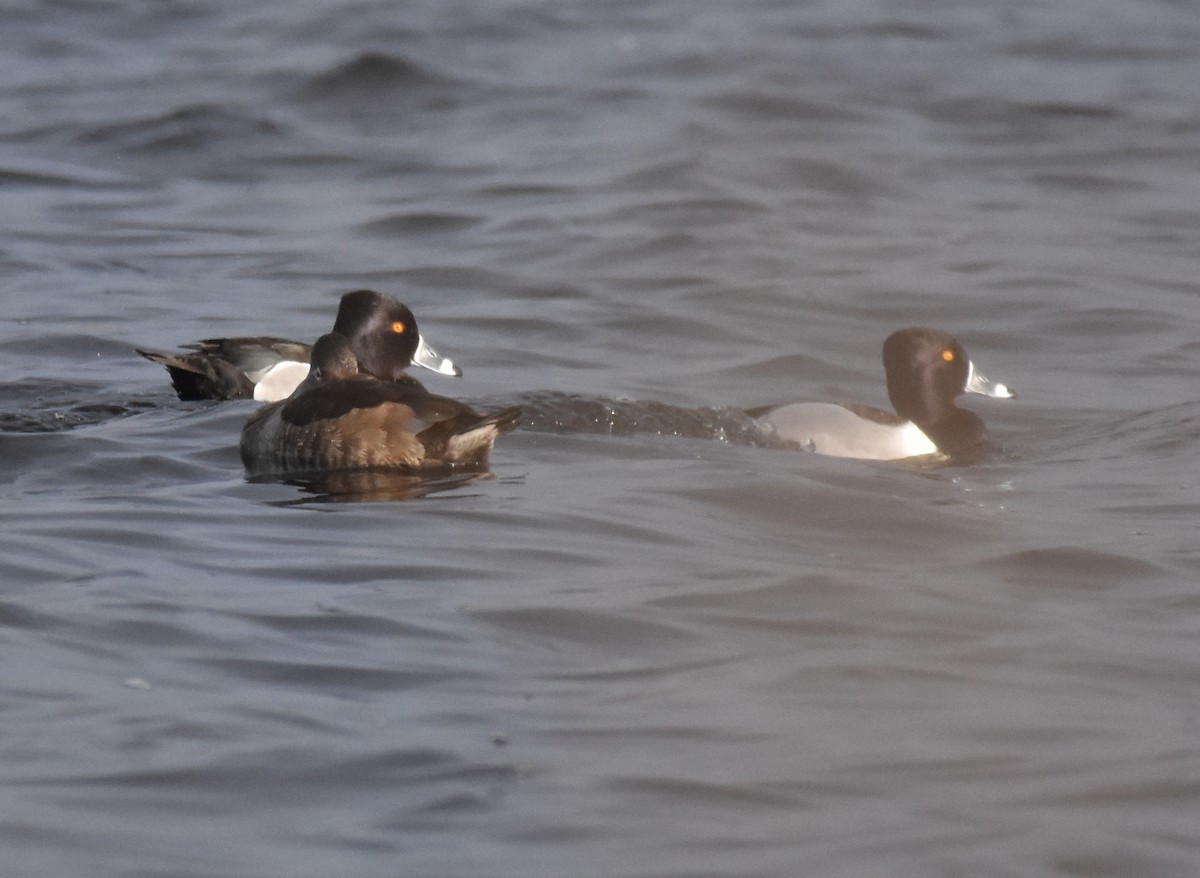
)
(373, 485)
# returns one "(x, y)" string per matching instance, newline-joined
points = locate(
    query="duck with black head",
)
(341, 418)
(268, 368)
(926, 370)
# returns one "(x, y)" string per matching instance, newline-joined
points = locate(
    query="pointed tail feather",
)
(473, 443)
(196, 376)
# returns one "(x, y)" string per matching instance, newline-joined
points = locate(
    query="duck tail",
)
(198, 377)
(474, 442)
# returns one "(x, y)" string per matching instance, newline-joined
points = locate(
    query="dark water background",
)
(628, 653)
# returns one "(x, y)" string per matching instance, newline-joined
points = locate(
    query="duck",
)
(926, 370)
(344, 418)
(268, 369)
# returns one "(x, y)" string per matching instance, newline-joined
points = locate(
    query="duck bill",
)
(977, 382)
(428, 358)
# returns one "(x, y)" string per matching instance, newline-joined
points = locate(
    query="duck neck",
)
(956, 431)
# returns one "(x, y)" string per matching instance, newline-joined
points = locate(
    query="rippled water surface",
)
(645, 644)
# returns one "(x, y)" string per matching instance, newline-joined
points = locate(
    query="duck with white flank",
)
(926, 369)
(267, 368)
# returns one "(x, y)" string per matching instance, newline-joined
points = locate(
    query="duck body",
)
(267, 368)
(926, 370)
(342, 419)
(245, 367)
(846, 431)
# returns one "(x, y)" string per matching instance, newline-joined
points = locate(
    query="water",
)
(644, 646)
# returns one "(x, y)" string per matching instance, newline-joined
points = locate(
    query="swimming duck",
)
(341, 418)
(268, 368)
(926, 369)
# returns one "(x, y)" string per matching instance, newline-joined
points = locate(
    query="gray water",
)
(642, 646)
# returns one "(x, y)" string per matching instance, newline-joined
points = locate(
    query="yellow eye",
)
(948, 355)
(398, 327)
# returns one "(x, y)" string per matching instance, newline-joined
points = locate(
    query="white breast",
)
(832, 429)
